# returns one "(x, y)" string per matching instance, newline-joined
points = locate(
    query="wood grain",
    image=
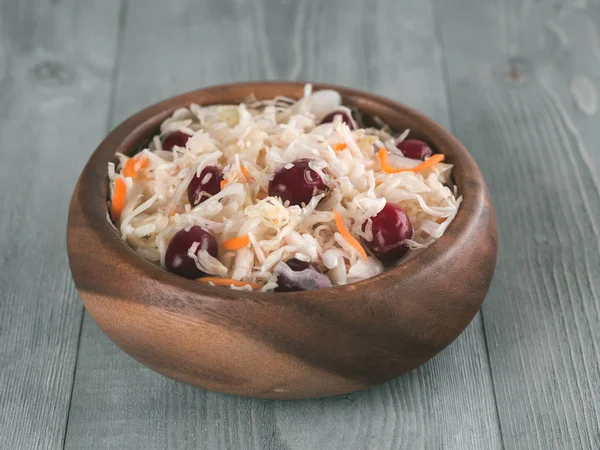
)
(541, 316)
(510, 68)
(446, 404)
(56, 61)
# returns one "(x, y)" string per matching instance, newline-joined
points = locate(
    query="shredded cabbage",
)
(260, 137)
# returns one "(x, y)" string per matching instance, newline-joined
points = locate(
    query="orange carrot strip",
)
(236, 243)
(245, 172)
(339, 223)
(134, 165)
(383, 160)
(378, 183)
(129, 169)
(435, 159)
(223, 184)
(118, 200)
(341, 146)
(144, 162)
(261, 195)
(228, 282)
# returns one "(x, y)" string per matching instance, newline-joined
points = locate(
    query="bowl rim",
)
(93, 184)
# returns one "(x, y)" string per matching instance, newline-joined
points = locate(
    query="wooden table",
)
(515, 80)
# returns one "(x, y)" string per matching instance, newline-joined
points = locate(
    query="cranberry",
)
(298, 266)
(390, 228)
(177, 259)
(206, 185)
(346, 118)
(303, 276)
(177, 138)
(414, 149)
(298, 184)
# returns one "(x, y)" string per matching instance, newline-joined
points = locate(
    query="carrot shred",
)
(245, 172)
(340, 146)
(435, 159)
(339, 223)
(236, 243)
(118, 200)
(228, 282)
(223, 184)
(261, 195)
(129, 169)
(134, 165)
(378, 183)
(383, 160)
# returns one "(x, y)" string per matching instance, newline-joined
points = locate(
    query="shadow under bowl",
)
(272, 345)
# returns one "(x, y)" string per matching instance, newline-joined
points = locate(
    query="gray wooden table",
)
(515, 80)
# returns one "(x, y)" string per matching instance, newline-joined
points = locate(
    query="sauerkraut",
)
(235, 153)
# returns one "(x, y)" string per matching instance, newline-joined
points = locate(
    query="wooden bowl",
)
(282, 345)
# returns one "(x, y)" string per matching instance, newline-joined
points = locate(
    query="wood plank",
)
(56, 63)
(117, 403)
(510, 69)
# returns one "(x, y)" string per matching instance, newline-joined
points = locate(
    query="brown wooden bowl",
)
(274, 345)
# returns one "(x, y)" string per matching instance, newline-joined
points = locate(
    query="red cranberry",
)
(346, 118)
(303, 276)
(177, 138)
(177, 259)
(415, 149)
(391, 227)
(206, 185)
(298, 184)
(298, 266)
